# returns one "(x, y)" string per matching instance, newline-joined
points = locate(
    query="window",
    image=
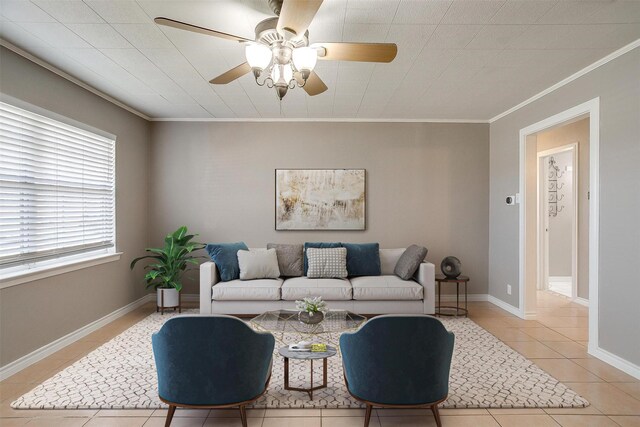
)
(57, 191)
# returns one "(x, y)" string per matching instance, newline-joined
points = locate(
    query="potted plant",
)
(168, 265)
(311, 310)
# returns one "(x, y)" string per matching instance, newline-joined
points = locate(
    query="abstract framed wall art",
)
(320, 199)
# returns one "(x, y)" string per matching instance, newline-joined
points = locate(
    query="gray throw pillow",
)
(258, 264)
(289, 259)
(410, 261)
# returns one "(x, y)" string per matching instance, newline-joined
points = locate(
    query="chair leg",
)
(172, 410)
(367, 415)
(243, 415)
(436, 414)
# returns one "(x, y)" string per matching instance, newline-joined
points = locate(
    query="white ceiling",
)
(460, 59)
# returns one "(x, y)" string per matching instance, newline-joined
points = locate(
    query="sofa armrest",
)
(426, 276)
(208, 278)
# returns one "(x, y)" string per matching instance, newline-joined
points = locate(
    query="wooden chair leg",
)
(172, 410)
(367, 415)
(243, 415)
(436, 415)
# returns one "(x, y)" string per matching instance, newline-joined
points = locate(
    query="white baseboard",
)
(190, 297)
(470, 297)
(505, 306)
(615, 361)
(581, 301)
(47, 350)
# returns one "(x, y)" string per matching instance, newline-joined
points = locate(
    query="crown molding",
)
(70, 78)
(599, 63)
(324, 120)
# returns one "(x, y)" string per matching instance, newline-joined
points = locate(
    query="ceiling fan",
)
(281, 57)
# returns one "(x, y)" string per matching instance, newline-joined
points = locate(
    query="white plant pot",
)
(168, 298)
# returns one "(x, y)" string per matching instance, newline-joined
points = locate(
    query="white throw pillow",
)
(327, 262)
(258, 264)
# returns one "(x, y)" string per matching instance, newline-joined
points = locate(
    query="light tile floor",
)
(556, 341)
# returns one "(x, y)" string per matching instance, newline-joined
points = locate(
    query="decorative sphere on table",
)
(451, 267)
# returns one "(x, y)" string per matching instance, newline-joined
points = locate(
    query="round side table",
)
(306, 355)
(447, 310)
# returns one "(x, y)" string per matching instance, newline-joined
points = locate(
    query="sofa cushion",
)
(388, 287)
(225, 256)
(258, 264)
(410, 261)
(327, 263)
(317, 245)
(248, 290)
(363, 259)
(289, 258)
(388, 260)
(297, 288)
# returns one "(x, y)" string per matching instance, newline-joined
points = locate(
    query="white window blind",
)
(57, 189)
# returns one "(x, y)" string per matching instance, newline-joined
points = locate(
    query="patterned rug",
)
(120, 374)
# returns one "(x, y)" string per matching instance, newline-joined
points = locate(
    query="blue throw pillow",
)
(319, 245)
(363, 259)
(225, 255)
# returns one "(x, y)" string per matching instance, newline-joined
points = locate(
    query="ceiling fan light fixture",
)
(305, 58)
(258, 56)
(281, 49)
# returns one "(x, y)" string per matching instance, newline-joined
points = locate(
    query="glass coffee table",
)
(283, 322)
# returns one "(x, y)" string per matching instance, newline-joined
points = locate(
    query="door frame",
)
(543, 217)
(592, 109)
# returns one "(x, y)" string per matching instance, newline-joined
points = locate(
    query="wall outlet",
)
(508, 289)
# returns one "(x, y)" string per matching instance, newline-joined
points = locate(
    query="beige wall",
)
(616, 84)
(531, 249)
(426, 183)
(36, 313)
(576, 132)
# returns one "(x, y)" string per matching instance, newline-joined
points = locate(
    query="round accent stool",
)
(306, 355)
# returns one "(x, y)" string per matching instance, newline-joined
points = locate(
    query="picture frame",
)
(320, 199)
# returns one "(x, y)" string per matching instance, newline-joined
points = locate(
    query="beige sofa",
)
(384, 294)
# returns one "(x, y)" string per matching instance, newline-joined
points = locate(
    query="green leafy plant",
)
(172, 261)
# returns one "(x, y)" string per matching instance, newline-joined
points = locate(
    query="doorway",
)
(559, 210)
(556, 137)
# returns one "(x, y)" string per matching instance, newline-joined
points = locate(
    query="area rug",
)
(120, 374)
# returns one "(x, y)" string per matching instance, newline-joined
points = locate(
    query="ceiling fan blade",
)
(296, 15)
(314, 85)
(196, 29)
(232, 74)
(362, 52)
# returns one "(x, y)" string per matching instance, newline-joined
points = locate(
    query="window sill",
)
(17, 278)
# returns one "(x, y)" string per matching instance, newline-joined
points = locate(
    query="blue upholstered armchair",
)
(211, 362)
(398, 361)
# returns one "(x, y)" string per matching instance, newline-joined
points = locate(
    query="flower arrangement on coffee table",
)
(311, 310)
